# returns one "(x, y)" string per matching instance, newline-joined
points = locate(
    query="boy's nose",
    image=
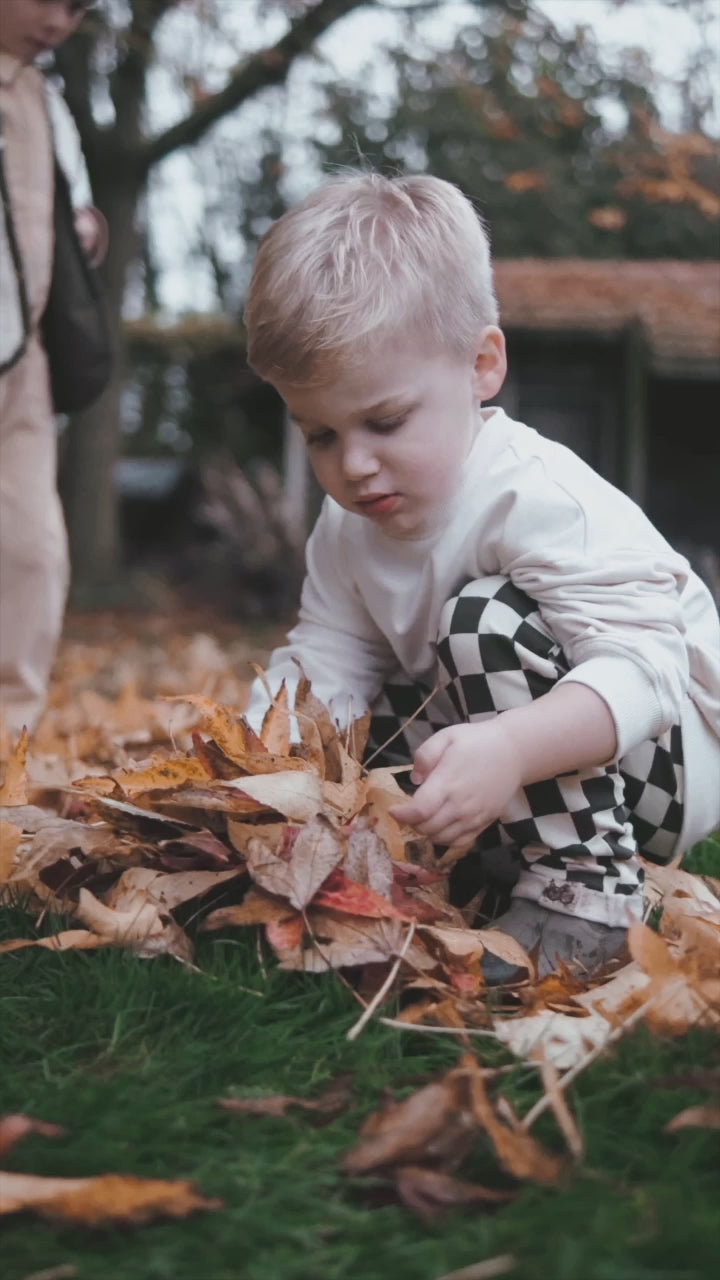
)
(359, 461)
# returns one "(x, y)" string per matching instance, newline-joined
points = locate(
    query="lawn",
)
(130, 1056)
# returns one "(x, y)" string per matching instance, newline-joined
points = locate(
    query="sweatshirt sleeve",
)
(68, 148)
(608, 587)
(335, 641)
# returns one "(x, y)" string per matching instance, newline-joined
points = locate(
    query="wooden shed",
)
(621, 361)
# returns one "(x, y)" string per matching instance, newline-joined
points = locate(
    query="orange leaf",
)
(275, 731)
(14, 789)
(111, 1198)
(341, 894)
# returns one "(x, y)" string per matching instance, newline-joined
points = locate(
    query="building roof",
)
(677, 304)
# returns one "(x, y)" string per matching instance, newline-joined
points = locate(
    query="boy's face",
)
(31, 27)
(389, 441)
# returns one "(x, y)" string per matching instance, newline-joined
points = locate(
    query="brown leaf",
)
(14, 789)
(705, 1117)
(273, 834)
(69, 940)
(15, 1127)
(435, 1125)
(168, 891)
(285, 936)
(257, 907)
(516, 1149)
(275, 730)
(137, 924)
(294, 793)
(317, 850)
(331, 1102)
(229, 732)
(344, 942)
(367, 861)
(430, 1193)
(110, 1198)
(10, 837)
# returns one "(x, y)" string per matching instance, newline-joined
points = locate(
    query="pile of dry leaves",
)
(145, 819)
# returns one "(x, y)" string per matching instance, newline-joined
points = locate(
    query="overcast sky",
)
(667, 34)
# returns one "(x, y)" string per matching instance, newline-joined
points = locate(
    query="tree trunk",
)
(93, 445)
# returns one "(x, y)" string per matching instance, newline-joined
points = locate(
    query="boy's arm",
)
(467, 774)
(335, 640)
(608, 587)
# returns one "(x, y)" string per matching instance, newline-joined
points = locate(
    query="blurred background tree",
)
(202, 119)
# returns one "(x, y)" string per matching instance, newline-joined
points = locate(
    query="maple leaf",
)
(14, 789)
(367, 860)
(430, 1192)
(340, 893)
(331, 1102)
(275, 729)
(297, 795)
(10, 837)
(109, 1198)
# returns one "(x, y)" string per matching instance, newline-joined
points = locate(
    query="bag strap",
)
(16, 256)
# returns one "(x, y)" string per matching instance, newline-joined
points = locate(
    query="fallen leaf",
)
(516, 1149)
(110, 1198)
(367, 860)
(704, 1117)
(257, 907)
(339, 893)
(14, 789)
(430, 1193)
(345, 942)
(434, 1125)
(329, 1103)
(167, 890)
(315, 853)
(275, 729)
(295, 794)
(228, 731)
(17, 1126)
(10, 837)
(139, 926)
(68, 940)
(285, 936)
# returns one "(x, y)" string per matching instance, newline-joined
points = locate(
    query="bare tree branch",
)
(267, 67)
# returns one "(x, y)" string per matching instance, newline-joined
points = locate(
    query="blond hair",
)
(363, 258)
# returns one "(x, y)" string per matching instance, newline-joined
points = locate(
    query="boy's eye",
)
(320, 439)
(387, 424)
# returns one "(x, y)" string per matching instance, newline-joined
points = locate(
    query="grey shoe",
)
(550, 936)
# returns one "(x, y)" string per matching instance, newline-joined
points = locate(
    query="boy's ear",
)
(490, 363)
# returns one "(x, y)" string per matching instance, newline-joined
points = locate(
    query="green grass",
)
(131, 1055)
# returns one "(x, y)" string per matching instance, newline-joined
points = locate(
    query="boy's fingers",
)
(427, 756)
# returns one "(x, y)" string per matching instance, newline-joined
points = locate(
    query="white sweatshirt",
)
(636, 624)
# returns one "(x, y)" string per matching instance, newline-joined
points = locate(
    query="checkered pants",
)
(578, 834)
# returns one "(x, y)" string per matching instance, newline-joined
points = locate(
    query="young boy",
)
(577, 718)
(34, 123)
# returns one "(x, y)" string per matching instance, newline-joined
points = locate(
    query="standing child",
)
(35, 125)
(576, 656)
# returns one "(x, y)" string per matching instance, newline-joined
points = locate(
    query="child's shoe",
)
(550, 936)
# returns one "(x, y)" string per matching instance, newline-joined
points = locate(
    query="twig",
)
(380, 994)
(485, 1270)
(543, 1103)
(403, 726)
(435, 1031)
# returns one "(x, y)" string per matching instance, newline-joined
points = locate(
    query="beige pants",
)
(33, 543)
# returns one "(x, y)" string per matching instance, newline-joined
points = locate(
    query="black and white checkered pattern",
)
(579, 833)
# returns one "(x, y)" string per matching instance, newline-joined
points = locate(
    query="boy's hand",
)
(92, 232)
(466, 775)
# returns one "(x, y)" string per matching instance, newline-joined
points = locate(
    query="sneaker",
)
(550, 937)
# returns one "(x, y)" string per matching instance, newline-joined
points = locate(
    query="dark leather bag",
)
(75, 328)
